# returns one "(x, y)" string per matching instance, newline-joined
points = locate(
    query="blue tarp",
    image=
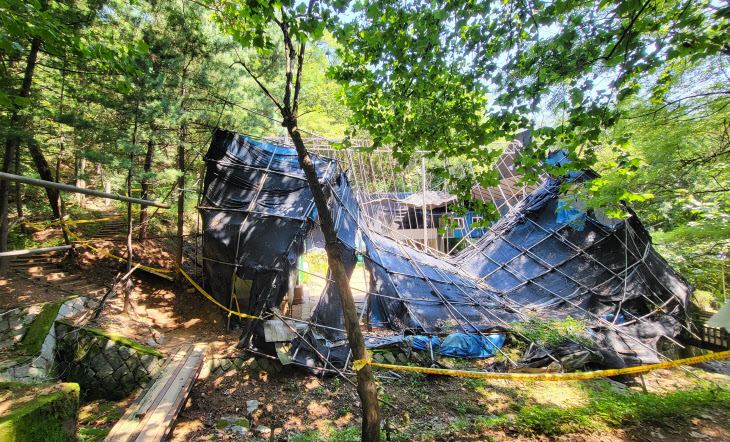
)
(421, 343)
(571, 216)
(461, 345)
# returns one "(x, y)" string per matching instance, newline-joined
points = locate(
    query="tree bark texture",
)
(79, 169)
(44, 170)
(19, 194)
(180, 203)
(145, 189)
(128, 286)
(365, 380)
(289, 112)
(11, 148)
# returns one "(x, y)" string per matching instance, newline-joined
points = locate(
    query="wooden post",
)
(425, 226)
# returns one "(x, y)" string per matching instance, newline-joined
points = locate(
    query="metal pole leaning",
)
(74, 189)
(29, 251)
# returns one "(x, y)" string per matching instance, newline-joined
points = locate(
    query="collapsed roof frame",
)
(457, 275)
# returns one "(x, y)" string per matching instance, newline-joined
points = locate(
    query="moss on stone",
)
(39, 328)
(94, 434)
(51, 417)
(120, 340)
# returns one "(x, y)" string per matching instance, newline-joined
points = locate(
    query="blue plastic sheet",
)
(461, 345)
(421, 343)
(570, 216)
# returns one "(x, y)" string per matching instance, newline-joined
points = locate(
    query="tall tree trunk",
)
(4, 194)
(181, 183)
(180, 203)
(11, 148)
(289, 112)
(44, 170)
(128, 284)
(365, 380)
(79, 170)
(145, 188)
(19, 194)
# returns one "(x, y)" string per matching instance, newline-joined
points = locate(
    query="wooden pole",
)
(74, 189)
(425, 226)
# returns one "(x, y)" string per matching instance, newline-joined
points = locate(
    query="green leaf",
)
(142, 47)
(21, 101)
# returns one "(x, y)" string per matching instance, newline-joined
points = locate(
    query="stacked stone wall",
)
(219, 366)
(104, 367)
(36, 365)
(14, 324)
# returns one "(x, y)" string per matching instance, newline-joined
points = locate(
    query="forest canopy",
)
(637, 90)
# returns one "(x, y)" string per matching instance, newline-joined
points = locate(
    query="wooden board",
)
(151, 416)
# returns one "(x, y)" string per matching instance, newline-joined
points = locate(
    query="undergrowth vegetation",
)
(607, 410)
(552, 332)
(603, 411)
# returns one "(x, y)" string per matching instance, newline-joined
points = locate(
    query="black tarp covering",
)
(257, 210)
(529, 265)
(346, 216)
(552, 270)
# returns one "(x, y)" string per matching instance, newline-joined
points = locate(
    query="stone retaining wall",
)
(106, 367)
(37, 366)
(47, 413)
(218, 366)
(14, 324)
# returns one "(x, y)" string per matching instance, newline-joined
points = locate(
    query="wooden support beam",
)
(74, 189)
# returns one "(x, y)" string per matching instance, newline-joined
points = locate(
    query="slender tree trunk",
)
(19, 194)
(44, 170)
(180, 203)
(4, 194)
(289, 112)
(145, 188)
(11, 148)
(365, 380)
(181, 185)
(128, 285)
(79, 170)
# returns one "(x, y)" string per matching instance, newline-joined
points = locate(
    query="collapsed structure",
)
(535, 263)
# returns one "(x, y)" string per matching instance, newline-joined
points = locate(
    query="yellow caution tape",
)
(152, 188)
(70, 222)
(360, 363)
(36, 227)
(83, 221)
(200, 289)
(119, 258)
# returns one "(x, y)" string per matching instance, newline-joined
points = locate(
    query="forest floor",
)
(691, 404)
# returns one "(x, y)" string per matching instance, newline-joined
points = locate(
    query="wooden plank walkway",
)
(709, 338)
(151, 416)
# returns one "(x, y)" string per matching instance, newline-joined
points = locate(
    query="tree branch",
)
(626, 32)
(300, 63)
(256, 79)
